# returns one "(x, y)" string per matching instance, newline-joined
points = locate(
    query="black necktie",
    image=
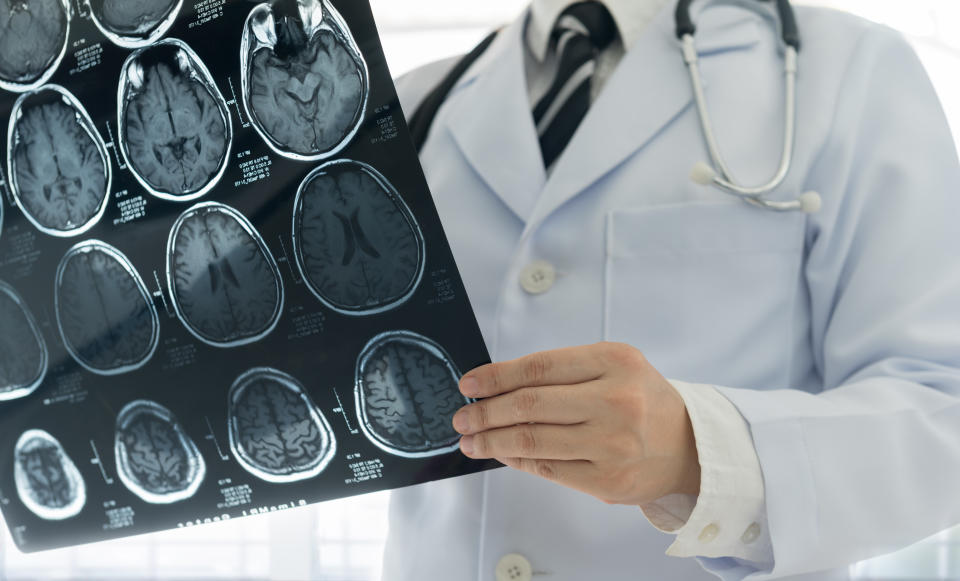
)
(581, 33)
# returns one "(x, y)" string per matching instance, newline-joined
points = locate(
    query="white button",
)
(751, 534)
(538, 277)
(709, 533)
(514, 567)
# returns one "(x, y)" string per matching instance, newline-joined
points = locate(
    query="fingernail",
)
(461, 423)
(470, 387)
(466, 444)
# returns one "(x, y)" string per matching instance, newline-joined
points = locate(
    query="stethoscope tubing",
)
(725, 179)
(719, 173)
(789, 31)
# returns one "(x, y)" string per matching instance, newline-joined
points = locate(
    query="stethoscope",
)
(717, 174)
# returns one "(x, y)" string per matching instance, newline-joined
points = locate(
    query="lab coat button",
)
(538, 277)
(514, 567)
(751, 534)
(709, 533)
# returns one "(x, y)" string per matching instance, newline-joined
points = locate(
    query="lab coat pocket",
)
(705, 290)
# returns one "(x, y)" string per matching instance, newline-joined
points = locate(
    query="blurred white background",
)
(342, 540)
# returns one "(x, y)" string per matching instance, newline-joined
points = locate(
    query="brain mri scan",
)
(305, 83)
(356, 243)
(225, 284)
(156, 459)
(407, 390)
(277, 433)
(59, 169)
(175, 128)
(48, 482)
(134, 23)
(33, 40)
(23, 353)
(106, 317)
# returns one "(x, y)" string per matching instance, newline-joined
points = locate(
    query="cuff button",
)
(709, 533)
(751, 534)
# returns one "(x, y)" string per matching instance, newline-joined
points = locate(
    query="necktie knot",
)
(588, 19)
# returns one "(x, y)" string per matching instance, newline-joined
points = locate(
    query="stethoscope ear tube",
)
(788, 22)
(685, 24)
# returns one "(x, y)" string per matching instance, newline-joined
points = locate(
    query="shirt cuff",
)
(728, 518)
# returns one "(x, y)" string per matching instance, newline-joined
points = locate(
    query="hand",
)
(599, 419)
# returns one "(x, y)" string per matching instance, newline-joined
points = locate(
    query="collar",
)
(631, 16)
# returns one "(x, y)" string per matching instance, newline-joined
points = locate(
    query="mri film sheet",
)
(225, 289)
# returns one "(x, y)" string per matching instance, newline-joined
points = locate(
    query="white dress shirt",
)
(730, 508)
(631, 17)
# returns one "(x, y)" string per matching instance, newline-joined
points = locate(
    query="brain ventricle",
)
(156, 459)
(47, 480)
(61, 171)
(33, 36)
(224, 281)
(306, 81)
(407, 393)
(358, 246)
(105, 314)
(23, 353)
(175, 128)
(276, 431)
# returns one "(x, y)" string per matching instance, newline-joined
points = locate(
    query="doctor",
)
(812, 415)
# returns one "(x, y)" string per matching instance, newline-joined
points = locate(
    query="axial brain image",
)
(23, 353)
(305, 80)
(134, 22)
(156, 460)
(276, 431)
(175, 130)
(407, 392)
(60, 169)
(33, 38)
(47, 480)
(357, 244)
(106, 316)
(225, 283)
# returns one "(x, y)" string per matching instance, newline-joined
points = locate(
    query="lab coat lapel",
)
(491, 122)
(649, 89)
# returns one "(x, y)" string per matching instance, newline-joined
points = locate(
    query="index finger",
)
(566, 366)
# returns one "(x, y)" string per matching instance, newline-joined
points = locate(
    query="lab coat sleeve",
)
(872, 463)
(728, 517)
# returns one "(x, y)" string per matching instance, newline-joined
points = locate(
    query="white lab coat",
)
(836, 335)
